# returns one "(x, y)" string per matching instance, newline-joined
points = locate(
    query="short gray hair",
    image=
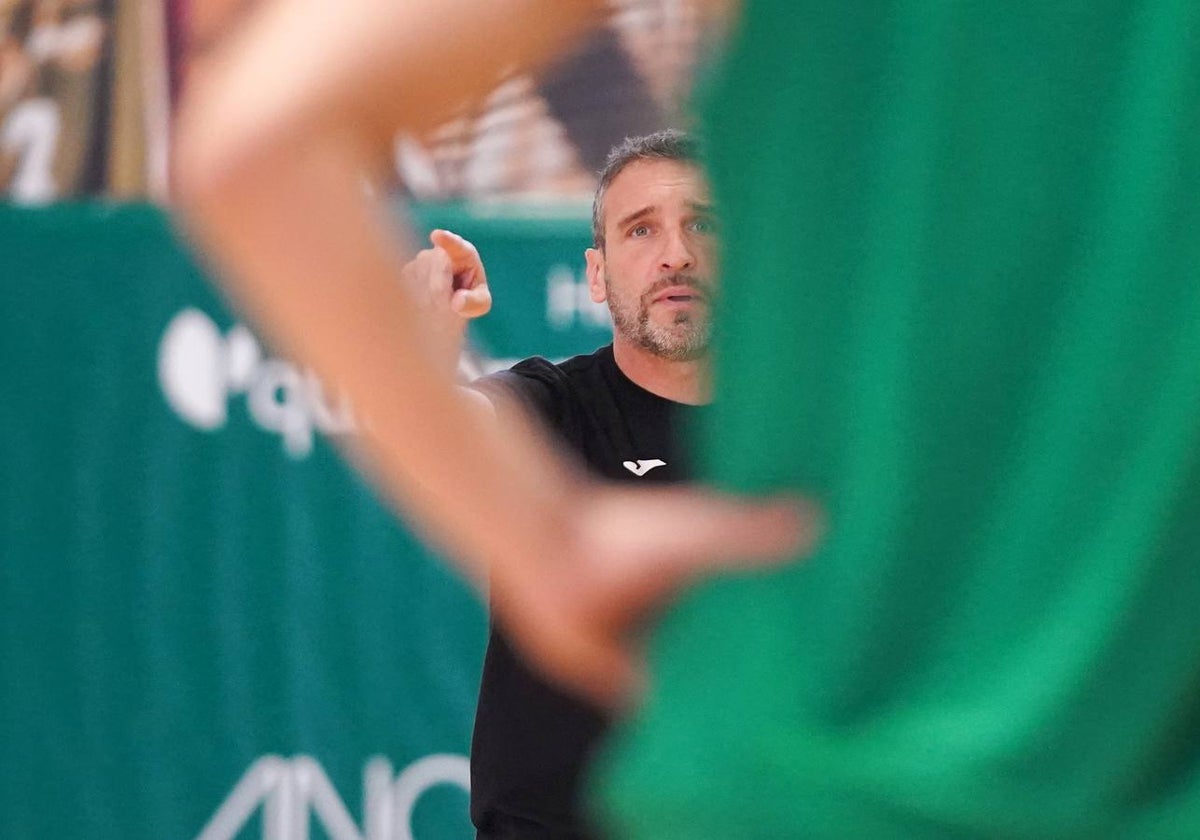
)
(668, 144)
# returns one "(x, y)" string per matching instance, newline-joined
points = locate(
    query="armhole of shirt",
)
(532, 388)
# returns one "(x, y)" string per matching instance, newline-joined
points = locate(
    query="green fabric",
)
(962, 310)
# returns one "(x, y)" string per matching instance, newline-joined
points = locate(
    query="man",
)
(620, 409)
(961, 308)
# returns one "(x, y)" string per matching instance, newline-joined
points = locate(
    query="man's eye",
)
(640, 230)
(703, 226)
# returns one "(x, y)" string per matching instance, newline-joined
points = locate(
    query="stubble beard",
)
(686, 339)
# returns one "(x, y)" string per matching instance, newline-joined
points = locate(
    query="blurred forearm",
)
(269, 178)
(308, 256)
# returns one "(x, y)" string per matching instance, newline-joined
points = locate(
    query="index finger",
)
(462, 251)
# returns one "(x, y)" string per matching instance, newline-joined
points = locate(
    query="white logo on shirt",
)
(642, 467)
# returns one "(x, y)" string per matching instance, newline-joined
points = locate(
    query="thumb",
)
(726, 534)
(472, 303)
(713, 530)
(646, 545)
(751, 532)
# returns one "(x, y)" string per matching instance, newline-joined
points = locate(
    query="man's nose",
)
(678, 254)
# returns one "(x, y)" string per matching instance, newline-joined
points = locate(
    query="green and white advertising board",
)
(209, 626)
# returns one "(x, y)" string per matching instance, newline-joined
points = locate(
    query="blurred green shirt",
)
(962, 310)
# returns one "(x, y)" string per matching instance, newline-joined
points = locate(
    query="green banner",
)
(209, 626)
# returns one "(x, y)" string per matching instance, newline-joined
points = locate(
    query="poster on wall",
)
(52, 116)
(531, 138)
(79, 86)
(547, 137)
(87, 89)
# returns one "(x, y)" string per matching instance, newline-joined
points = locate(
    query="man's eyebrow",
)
(704, 207)
(635, 215)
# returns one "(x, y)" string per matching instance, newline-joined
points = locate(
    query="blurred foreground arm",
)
(274, 141)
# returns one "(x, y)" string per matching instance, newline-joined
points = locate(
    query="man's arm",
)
(274, 142)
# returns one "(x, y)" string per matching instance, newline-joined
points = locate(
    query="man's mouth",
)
(679, 294)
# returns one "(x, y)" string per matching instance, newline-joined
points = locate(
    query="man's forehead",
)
(666, 170)
(641, 180)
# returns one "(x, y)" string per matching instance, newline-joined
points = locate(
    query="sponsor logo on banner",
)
(291, 792)
(200, 370)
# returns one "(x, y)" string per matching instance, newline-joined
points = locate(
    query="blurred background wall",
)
(209, 625)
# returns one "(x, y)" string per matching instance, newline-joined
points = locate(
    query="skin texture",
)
(271, 155)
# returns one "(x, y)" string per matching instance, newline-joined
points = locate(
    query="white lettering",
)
(289, 792)
(189, 370)
(31, 133)
(276, 403)
(200, 370)
(420, 777)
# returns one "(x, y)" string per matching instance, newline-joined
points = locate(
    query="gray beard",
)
(685, 340)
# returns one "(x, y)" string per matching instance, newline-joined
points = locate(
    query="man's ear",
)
(595, 274)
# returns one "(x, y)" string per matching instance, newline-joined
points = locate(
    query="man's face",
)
(656, 267)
